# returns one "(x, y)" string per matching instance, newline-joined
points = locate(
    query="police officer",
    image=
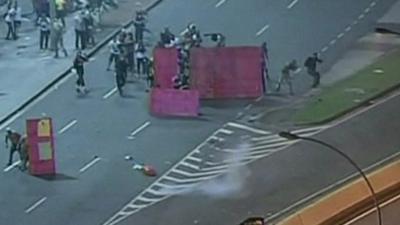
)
(311, 65)
(286, 77)
(13, 137)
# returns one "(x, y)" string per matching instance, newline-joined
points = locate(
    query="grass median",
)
(344, 96)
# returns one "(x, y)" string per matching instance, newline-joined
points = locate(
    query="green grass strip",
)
(351, 92)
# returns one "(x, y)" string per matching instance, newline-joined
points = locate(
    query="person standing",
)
(44, 26)
(10, 20)
(23, 152)
(130, 52)
(114, 52)
(286, 77)
(78, 65)
(121, 66)
(140, 54)
(59, 30)
(13, 137)
(311, 65)
(80, 39)
(149, 74)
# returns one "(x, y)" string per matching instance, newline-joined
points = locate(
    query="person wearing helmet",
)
(13, 137)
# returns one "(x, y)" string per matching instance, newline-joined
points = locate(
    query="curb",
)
(364, 103)
(350, 200)
(93, 51)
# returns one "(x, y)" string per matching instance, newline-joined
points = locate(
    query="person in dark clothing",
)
(217, 38)
(13, 137)
(23, 152)
(130, 52)
(149, 73)
(79, 61)
(265, 61)
(121, 66)
(80, 32)
(140, 25)
(166, 37)
(311, 65)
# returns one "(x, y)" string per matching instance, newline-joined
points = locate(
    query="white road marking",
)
(292, 4)
(259, 98)
(145, 199)
(367, 10)
(195, 167)
(197, 174)
(348, 28)
(91, 163)
(188, 180)
(361, 16)
(262, 30)
(194, 159)
(248, 107)
(225, 131)
(8, 168)
(324, 49)
(139, 129)
(372, 4)
(251, 129)
(111, 92)
(220, 3)
(217, 138)
(34, 206)
(332, 42)
(340, 35)
(66, 127)
(355, 22)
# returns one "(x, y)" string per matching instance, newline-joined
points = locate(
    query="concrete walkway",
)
(25, 70)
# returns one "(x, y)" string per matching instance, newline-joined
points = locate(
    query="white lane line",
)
(66, 127)
(262, 30)
(174, 186)
(355, 22)
(193, 159)
(188, 180)
(145, 199)
(248, 107)
(348, 28)
(139, 129)
(251, 129)
(340, 35)
(361, 16)
(195, 167)
(217, 138)
(111, 92)
(324, 49)
(220, 3)
(34, 206)
(197, 174)
(225, 131)
(332, 42)
(8, 168)
(91, 163)
(367, 10)
(372, 4)
(292, 4)
(259, 98)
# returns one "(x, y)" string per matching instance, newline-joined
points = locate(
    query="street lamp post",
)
(291, 136)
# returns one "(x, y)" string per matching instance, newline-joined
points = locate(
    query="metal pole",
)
(352, 162)
(52, 19)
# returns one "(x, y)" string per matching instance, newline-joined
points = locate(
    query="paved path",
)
(25, 70)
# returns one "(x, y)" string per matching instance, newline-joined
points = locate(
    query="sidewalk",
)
(366, 51)
(25, 70)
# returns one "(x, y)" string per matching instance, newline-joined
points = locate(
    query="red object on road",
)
(165, 67)
(228, 72)
(41, 146)
(172, 102)
(149, 171)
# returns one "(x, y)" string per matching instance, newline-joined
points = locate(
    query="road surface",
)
(94, 133)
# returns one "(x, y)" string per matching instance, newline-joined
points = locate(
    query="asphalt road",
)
(103, 125)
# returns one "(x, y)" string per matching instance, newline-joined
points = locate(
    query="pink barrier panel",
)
(165, 66)
(171, 102)
(230, 72)
(40, 146)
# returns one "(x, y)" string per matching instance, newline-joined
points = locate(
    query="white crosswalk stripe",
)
(193, 169)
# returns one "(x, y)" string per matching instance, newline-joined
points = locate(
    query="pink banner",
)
(41, 146)
(229, 72)
(165, 66)
(171, 102)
